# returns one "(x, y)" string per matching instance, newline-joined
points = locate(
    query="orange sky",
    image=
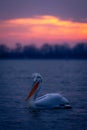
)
(40, 29)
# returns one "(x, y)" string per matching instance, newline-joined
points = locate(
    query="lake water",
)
(68, 77)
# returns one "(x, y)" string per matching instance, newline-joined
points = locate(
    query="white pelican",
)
(48, 101)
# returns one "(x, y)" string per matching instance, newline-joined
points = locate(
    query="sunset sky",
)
(38, 22)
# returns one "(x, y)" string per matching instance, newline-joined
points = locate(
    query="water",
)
(68, 77)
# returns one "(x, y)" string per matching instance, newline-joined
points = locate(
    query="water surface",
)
(68, 77)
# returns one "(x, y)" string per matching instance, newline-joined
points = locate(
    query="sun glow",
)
(42, 29)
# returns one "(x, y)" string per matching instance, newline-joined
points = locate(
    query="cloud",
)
(43, 28)
(65, 9)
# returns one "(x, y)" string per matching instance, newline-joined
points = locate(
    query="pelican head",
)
(37, 77)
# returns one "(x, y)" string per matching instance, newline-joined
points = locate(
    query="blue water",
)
(68, 77)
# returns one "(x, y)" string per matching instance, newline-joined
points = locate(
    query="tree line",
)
(46, 51)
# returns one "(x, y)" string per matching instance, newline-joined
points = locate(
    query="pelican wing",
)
(49, 101)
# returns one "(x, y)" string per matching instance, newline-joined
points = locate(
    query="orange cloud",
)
(42, 28)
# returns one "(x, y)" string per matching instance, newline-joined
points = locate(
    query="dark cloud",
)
(65, 9)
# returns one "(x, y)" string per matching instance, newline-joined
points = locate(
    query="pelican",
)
(48, 101)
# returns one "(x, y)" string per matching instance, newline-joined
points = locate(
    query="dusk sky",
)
(42, 21)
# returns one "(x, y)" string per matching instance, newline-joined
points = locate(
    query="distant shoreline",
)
(58, 52)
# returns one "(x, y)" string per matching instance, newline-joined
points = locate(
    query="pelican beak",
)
(32, 91)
